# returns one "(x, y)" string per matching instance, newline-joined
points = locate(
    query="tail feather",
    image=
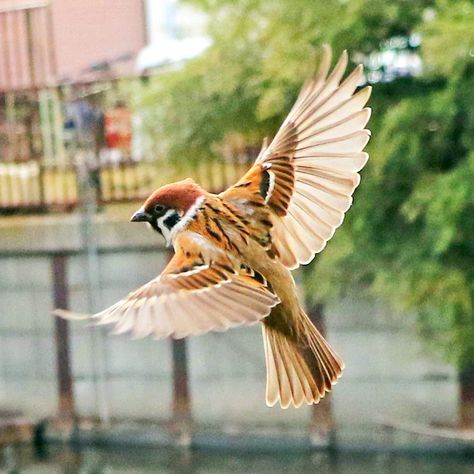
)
(299, 371)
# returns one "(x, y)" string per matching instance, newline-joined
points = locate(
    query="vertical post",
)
(89, 242)
(63, 361)
(466, 397)
(181, 392)
(322, 422)
(32, 77)
(18, 43)
(6, 44)
(51, 45)
(30, 48)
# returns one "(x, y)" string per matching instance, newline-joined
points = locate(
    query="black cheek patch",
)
(172, 220)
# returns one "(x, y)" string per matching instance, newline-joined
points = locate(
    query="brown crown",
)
(181, 196)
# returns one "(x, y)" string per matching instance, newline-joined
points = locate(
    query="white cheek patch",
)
(188, 217)
(181, 224)
(160, 222)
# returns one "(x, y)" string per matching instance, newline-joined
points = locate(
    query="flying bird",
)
(234, 250)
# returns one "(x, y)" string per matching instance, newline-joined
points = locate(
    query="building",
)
(42, 41)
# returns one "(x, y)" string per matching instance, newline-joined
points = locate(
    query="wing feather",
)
(192, 296)
(314, 161)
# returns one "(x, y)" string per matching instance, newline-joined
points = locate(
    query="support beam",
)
(322, 423)
(181, 393)
(63, 362)
(466, 397)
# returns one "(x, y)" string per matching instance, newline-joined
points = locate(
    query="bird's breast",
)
(221, 233)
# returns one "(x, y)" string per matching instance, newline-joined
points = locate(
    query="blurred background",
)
(103, 101)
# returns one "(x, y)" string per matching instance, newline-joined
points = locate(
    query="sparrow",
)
(234, 251)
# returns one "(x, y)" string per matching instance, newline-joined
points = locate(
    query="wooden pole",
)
(322, 423)
(181, 393)
(466, 398)
(63, 360)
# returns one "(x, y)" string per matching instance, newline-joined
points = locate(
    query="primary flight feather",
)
(234, 250)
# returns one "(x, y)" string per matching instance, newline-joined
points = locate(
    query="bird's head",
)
(171, 208)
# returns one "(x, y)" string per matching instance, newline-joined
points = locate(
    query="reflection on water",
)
(53, 460)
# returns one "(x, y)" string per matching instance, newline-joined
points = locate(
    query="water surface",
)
(52, 460)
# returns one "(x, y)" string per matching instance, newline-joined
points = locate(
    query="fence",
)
(51, 139)
(37, 186)
(54, 135)
(218, 379)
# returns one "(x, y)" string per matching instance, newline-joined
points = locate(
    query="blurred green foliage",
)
(409, 237)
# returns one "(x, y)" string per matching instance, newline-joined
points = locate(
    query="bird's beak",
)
(140, 216)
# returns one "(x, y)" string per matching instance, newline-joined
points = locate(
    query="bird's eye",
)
(159, 208)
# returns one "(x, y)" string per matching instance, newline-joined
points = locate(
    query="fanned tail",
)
(299, 371)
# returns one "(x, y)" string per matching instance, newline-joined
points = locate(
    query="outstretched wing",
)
(192, 296)
(308, 173)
